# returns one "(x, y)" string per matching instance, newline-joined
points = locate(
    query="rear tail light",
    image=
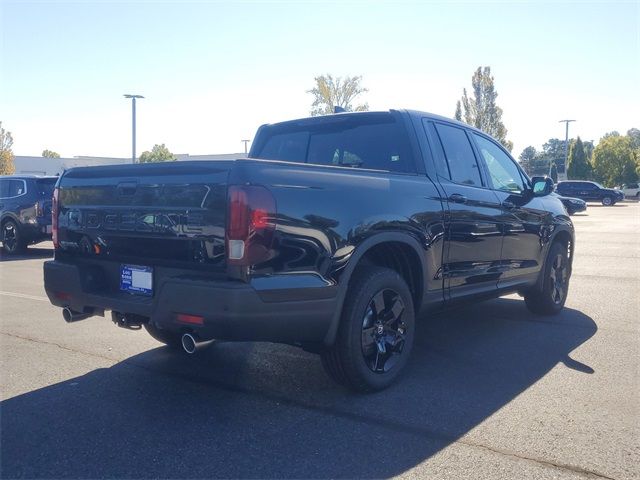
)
(54, 218)
(251, 221)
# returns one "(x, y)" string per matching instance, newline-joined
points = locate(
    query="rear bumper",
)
(295, 309)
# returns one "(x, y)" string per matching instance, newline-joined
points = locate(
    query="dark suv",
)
(589, 192)
(25, 210)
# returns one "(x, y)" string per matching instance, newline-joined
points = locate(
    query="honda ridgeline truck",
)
(335, 235)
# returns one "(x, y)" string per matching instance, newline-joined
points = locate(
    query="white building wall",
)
(55, 166)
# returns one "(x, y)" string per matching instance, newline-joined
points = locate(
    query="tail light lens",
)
(251, 222)
(54, 218)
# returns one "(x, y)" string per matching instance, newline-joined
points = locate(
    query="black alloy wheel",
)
(550, 296)
(375, 336)
(11, 239)
(558, 277)
(383, 331)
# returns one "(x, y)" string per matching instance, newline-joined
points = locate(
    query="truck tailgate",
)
(164, 213)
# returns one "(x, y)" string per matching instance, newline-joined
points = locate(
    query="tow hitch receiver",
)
(129, 321)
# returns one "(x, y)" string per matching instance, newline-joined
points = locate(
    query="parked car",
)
(631, 190)
(25, 210)
(572, 205)
(334, 236)
(589, 192)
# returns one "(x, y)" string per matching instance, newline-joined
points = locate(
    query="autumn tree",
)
(159, 153)
(50, 154)
(480, 108)
(330, 92)
(7, 166)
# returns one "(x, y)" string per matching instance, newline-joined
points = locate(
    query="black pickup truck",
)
(335, 235)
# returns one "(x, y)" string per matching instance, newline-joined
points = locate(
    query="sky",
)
(213, 71)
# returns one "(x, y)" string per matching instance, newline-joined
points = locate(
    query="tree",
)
(554, 172)
(578, 167)
(7, 166)
(458, 114)
(634, 134)
(527, 157)
(159, 153)
(588, 149)
(613, 133)
(614, 161)
(332, 92)
(50, 154)
(481, 110)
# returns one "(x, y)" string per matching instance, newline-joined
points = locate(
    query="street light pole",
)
(245, 145)
(133, 124)
(566, 143)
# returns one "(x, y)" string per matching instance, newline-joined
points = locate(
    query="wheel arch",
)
(564, 235)
(398, 251)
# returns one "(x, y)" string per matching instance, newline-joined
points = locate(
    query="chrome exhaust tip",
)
(189, 343)
(73, 316)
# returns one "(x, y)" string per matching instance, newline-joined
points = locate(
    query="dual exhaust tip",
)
(189, 342)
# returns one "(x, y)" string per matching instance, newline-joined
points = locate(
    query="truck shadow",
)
(29, 254)
(258, 410)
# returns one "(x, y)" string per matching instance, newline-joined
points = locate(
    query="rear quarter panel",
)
(325, 214)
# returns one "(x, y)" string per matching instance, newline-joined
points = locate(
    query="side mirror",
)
(541, 186)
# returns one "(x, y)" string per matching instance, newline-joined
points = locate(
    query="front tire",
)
(555, 283)
(376, 331)
(12, 242)
(607, 201)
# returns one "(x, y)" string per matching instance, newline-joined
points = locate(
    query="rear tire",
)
(170, 339)
(376, 331)
(12, 242)
(555, 283)
(607, 201)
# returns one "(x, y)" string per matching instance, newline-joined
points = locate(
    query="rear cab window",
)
(376, 141)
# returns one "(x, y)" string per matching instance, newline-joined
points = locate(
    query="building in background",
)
(55, 166)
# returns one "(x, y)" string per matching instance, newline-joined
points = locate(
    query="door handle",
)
(508, 205)
(457, 198)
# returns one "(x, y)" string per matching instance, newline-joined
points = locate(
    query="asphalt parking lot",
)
(491, 391)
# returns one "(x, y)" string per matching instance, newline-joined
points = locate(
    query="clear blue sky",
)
(213, 71)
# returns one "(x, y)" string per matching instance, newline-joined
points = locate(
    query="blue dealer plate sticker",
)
(136, 279)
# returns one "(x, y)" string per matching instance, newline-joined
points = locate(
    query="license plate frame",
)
(136, 279)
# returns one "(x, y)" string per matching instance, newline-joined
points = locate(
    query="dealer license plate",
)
(136, 279)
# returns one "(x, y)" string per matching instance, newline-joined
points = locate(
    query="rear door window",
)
(14, 188)
(372, 141)
(461, 161)
(4, 188)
